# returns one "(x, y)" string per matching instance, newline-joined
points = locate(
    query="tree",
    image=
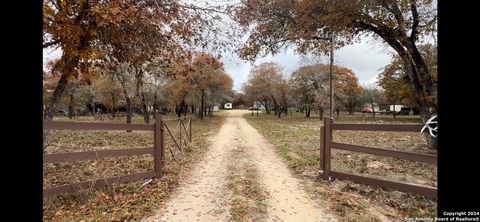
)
(201, 83)
(347, 88)
(401, 24)
(240, 99)
(281, 96)
(206, 69)
(125, 75)
(261, 83)
(88, 31)
(395, 84)
(307, 84)
(78, 91)
(372, 95)
(394, 79)
(110, 91)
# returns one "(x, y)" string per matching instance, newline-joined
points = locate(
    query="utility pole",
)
(331, 77)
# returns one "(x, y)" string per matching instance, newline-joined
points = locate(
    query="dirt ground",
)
(264, 189)
(296, 140)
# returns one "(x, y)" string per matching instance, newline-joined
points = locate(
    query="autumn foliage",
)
(138, 38)
(403, 25)
(305, 89)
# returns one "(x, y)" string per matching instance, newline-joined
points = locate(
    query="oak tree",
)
(401, 24)
(261, 83)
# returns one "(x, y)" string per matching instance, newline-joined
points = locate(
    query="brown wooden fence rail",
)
(157, 151)
(327, 144)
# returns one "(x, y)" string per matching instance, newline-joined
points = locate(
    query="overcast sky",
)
(364, 58)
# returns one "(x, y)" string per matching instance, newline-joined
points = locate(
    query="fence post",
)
(158, 157)
(327, 149)
(322, 147)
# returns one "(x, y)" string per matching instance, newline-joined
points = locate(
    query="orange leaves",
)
(266, 82)
(202, 73)
(135, 32)
(277, 23)
(393, 83)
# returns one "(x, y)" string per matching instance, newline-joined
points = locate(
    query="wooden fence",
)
(327, 144)
(157, 151)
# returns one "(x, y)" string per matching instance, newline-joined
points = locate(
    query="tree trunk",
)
(321, 113)
(114, 109)
(94, 107)
(201, 104)
(432, 142)
(57, 94)
(146, 115)
(70, 64)
(178, 111)
(155, 104)
(265, 104)
(277, 107)
(128, 101)
(394, 113)
(307, 113)
(184, 108)
(417, 70)
(373, 108)
(70, 106)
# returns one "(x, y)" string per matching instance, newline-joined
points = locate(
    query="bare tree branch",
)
(413, 6)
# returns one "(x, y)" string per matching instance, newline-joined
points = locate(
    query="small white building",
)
(227, 106)
(396, 108)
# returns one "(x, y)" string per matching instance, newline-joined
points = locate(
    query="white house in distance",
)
(258, 105)
(227, 106)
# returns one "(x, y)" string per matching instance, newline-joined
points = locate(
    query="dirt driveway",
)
(240, 179)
